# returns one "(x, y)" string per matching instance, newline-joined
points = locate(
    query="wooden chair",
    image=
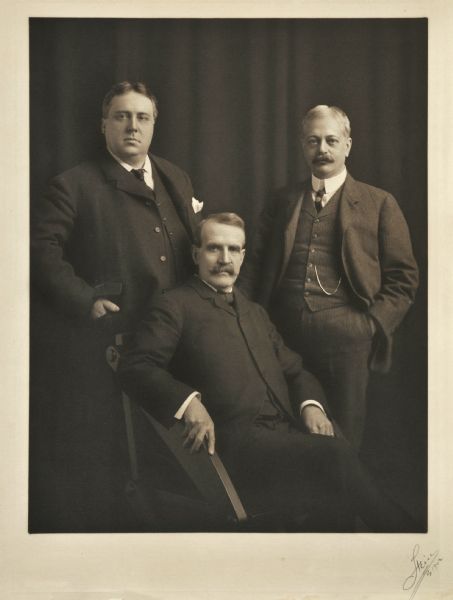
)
(169, 488)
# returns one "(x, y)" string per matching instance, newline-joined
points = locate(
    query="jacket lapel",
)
(210, 296)
(293, 211)
(348, 203)
(242, 304)
(122, 180)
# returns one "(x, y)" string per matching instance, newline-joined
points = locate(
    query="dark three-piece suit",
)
(252, 385)
(327, 276)
(97, 232)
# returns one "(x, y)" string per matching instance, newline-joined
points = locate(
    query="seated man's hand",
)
(101, 307)
(198, 426)
(316, 421)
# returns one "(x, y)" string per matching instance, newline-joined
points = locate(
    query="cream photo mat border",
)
(216, 566)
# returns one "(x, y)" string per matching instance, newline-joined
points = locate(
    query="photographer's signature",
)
(422, 564)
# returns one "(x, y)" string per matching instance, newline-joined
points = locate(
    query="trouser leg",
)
(369, 500)
(287, 470)
(345, 379)
(335, 345)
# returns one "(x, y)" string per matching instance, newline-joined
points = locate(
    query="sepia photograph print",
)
(186, 162)
(224, 242)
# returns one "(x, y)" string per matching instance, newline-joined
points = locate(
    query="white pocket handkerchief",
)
(196, 205)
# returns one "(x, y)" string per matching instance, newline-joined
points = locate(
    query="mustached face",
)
(325, 146)
(220, 255)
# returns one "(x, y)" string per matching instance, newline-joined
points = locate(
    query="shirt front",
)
(147, 169)
(330, 185)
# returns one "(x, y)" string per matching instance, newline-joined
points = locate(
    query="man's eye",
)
(120, 116)
(144, 118)
(332, 142)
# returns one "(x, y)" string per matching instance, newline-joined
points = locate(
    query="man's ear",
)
(103, 126)
(195, 250)
(350, 146)
(242, 255)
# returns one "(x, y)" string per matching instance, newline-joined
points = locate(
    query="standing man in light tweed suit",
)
(339, 270)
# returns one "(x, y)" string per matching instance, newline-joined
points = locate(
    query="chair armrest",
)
(206, 471)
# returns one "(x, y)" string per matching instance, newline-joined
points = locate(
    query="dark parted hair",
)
(123, 88)
(224, 218)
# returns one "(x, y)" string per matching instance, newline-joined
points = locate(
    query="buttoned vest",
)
(172, 243)
(314, 276)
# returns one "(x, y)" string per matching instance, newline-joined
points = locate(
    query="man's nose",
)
(225, 257)
(322, 146)
(133, 123)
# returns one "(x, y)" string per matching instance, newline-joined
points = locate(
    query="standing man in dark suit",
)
(207, 355)
(332, 260)
(107, 236)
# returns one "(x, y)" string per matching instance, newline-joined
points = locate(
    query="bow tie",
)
(227, 296)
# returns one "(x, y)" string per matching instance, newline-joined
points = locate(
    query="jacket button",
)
(306, 293)
(315, 235)
(163, 258)
(316, 221)
(308, 279)
(157, 229)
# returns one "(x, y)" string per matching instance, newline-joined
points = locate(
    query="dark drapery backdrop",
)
(231, 93)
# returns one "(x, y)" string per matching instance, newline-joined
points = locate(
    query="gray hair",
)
(322, 110)
(224, 218)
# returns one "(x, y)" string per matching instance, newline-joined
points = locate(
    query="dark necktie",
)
(318, 198)
(139, 173)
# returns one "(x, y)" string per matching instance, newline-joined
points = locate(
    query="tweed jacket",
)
(376, 255)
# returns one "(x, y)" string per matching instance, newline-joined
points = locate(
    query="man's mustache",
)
(319, 159)
(223, 269)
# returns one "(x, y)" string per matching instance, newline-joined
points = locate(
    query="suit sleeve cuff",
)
(182, 409)
(311, 403)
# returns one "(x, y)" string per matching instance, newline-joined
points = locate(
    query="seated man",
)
(206, 354)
